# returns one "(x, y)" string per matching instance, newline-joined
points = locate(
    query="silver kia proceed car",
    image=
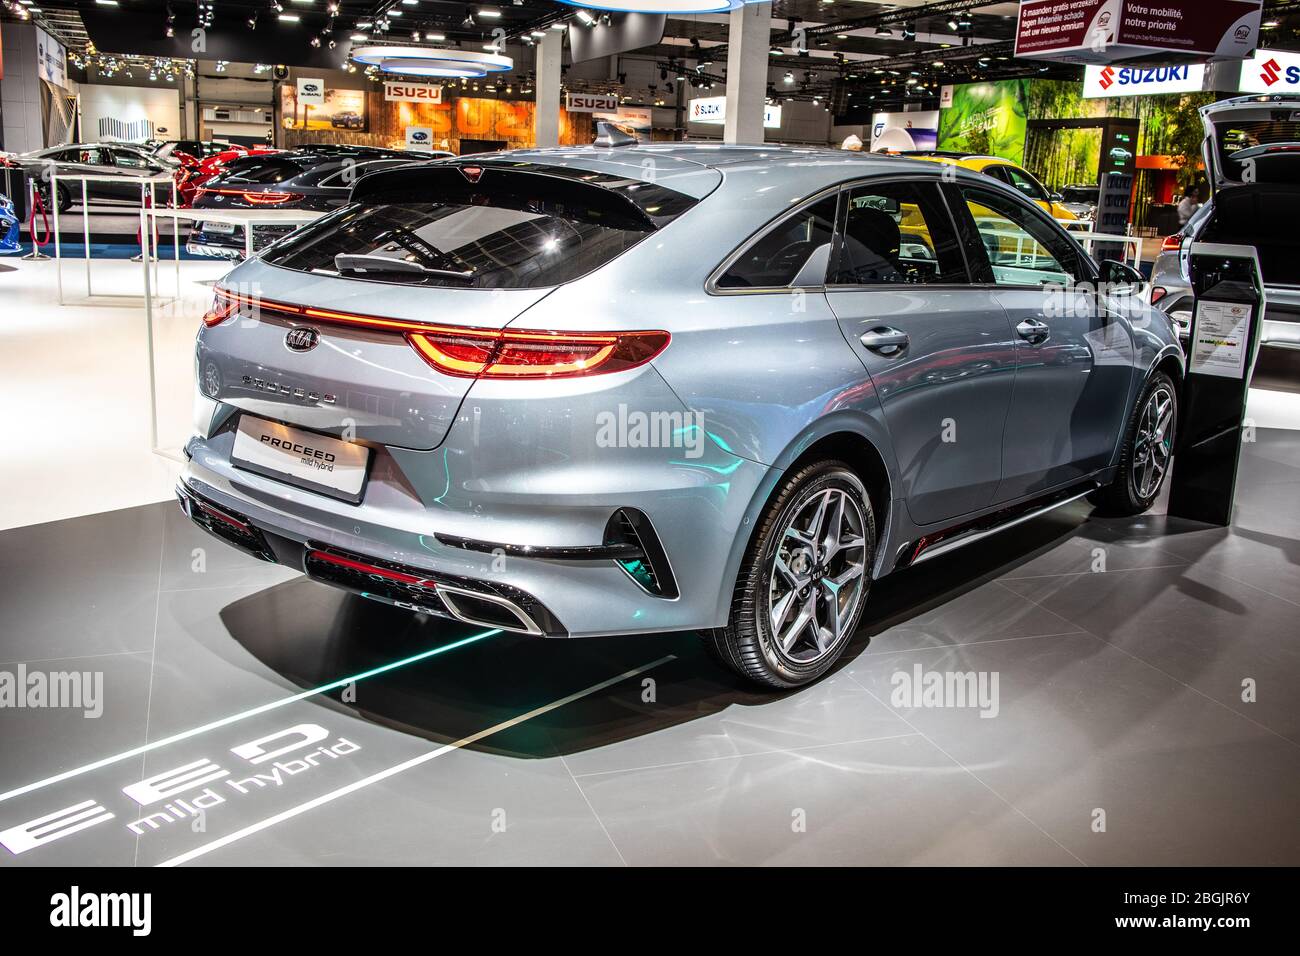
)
(624, 389)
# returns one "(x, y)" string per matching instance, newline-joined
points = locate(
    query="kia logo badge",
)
(301, 339)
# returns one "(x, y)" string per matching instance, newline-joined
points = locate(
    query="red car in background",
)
(195, 172)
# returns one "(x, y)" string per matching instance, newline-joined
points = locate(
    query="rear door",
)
(1074, 358)
(940, 351)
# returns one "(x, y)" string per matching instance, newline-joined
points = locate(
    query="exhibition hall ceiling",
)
(900, 52)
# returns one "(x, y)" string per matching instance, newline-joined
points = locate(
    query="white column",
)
(546, 119)
(747, 58)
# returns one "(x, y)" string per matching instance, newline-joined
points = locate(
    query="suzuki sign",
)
(713, 111)
(1270, 71)
(412, 93)
(1141, 80)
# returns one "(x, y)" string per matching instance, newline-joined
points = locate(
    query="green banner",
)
(986, 119)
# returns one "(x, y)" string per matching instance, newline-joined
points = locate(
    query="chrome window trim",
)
(710, 284)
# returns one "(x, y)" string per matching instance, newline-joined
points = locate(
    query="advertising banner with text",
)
(1109, 31)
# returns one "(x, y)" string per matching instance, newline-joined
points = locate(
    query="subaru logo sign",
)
(300, 338)
(419, 136)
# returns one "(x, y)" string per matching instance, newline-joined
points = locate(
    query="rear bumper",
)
(489, 512)
(426, 591)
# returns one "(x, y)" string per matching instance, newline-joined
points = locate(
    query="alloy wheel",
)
(817, 576)
(1153, 444)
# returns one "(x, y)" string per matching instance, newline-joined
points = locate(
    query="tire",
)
(1144, 463)
(836, 584)
(64, 197)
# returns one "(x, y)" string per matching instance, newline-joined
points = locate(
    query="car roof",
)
(696, 169)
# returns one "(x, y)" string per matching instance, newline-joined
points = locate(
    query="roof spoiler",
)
(611, 134)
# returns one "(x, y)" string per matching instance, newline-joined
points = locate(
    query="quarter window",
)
(774, 260)
(897, 233)
(1021, 248)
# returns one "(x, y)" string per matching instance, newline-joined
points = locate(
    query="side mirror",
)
(1056, 197)
(1120, 277)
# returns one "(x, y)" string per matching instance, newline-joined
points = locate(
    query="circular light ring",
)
(386, 58)
(428, 67)
(660, 6)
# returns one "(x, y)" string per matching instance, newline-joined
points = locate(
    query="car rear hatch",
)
(373, 322)
(1252, 156)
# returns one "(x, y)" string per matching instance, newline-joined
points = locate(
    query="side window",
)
(89, 157)
(897, 233)
(1022, 248)
(1025, 183)
(774, 260)
(128, 160)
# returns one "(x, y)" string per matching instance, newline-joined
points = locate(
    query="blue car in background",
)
(8, 227)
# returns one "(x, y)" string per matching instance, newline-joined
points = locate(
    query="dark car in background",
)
(124, 162)
(318, 178)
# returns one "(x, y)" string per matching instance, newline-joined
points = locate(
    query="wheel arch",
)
(857, 441)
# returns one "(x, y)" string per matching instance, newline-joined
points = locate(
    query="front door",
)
(1075, 356)
(940, 352)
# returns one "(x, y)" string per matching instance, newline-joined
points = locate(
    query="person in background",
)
(1187, 208)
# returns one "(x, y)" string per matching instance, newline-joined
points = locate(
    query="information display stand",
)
(1229, 306)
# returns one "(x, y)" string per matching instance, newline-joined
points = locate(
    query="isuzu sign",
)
(412, 93)
(1141, 80)
(591, 103)
(1109, 31)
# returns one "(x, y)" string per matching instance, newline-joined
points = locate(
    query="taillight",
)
(270, 198)
(252, 198)
(486, 353)
(1172, 243)
(221, 310)
(1158, 293)
(534, 354)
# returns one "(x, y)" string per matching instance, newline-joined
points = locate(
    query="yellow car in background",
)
(1005, 171)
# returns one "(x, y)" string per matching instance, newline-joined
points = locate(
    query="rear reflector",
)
(1158, 293)
(487, 353)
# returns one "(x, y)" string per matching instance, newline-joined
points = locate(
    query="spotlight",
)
(884, 32)
(468, 22)
(586, 18)
(252, 22)
(315, 41)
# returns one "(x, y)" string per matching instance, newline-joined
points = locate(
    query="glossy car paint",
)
(769, 372)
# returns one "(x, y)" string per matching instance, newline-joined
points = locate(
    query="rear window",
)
(512, 229)
(263, 171)
(1246, 146)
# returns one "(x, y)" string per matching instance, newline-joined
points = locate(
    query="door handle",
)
(885, 340)
(1033, 331)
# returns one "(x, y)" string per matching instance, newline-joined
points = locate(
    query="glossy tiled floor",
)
(1120, 647)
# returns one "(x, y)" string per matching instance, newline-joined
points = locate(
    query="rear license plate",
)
(219, 228)
(316, 462)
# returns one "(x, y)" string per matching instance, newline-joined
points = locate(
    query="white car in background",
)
(1252, 159)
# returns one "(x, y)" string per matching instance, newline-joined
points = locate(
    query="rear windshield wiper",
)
(348, 262)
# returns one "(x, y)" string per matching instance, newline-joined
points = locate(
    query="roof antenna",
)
(611, 134)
